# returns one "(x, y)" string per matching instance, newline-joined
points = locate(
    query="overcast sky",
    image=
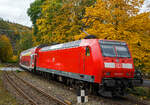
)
(16, 10)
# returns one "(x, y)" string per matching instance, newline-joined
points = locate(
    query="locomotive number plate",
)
(118, 74)
(118, 65)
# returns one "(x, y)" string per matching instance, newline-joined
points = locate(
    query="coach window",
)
(87, 51)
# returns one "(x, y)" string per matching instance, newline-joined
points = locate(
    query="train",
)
(102, 66)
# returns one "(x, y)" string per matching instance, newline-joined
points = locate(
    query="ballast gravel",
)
(58, 89)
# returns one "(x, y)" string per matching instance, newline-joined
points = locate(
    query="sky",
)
(16, 11)
(144, 9)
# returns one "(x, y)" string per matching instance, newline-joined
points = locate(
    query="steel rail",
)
(55, 98)
(19, 90)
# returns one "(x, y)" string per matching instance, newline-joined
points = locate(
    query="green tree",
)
(25, 42)
(35, 12)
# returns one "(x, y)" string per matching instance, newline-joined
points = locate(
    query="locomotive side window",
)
(87, 51)
(108, 50)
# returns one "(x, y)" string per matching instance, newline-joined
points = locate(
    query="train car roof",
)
(28, 50)
(77, 43)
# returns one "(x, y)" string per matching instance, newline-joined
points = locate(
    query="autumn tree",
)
(70, 18)
(121, 20)
(50, 9)
(24, 43)
(60, 20)
(6, 51)
(35, 12)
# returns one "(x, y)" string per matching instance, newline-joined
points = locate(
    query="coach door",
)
(32, 60)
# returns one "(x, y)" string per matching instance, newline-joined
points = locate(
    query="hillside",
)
(20, 36)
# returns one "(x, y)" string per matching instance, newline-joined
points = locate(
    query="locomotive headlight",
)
(109, 65)
(128, 74)
(127, 65)
(107, 73)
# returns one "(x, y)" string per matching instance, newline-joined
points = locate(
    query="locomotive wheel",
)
(114, 94)
(103, 92)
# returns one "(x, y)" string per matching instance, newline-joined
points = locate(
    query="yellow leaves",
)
(78, 37)
(6, 51)
(137, 3)
(58, 22)
(13, 59)
(34, 40)
(118, 20)
(45, 39)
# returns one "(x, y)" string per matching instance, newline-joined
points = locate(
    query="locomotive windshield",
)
(114, 49)
(108, 50)
(122, 51)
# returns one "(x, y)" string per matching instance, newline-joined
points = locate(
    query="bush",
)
(18, 71)
(6, 51)
(1, 65)
(143, 92)
(13, 59)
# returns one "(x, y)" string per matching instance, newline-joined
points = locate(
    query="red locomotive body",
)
(106, 63)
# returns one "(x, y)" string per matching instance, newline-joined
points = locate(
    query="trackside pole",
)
(82, 96)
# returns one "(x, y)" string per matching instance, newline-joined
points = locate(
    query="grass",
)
(1, 65)
(141, 92)
(5, 97)
(18, 71)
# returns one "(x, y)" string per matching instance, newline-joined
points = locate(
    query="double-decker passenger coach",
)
(101, 65)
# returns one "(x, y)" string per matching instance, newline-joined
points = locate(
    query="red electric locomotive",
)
(103, 64)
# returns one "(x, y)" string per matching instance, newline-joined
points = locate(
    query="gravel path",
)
(10, 69)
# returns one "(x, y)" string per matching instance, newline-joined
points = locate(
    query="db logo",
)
(118, 65)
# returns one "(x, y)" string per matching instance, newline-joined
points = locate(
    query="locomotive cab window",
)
(114, 49)
(122, 51)
(108, 50)
(87, 51)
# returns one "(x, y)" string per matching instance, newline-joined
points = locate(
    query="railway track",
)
(34, 95)
(128, 100)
